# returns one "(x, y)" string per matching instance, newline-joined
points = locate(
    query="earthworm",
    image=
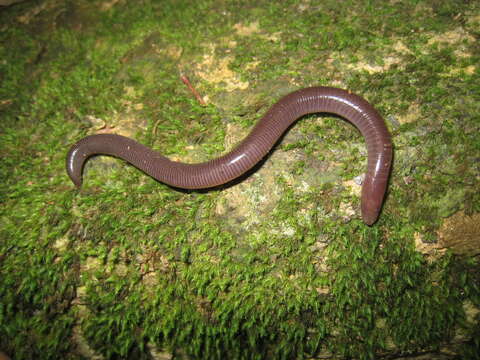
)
(255, 146)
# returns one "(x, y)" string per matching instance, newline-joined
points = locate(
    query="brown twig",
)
(192, 89)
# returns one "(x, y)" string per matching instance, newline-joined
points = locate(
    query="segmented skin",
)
(255, 146)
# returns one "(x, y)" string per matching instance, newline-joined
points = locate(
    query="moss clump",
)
(127, 265)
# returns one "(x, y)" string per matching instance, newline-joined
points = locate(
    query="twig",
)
(192, 89)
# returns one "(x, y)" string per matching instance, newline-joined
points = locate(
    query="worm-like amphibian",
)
(255, 146)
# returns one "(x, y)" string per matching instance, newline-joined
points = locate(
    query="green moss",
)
(127, 264)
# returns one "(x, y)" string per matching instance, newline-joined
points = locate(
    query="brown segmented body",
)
(255, 146)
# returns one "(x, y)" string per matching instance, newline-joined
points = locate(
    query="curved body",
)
(255, 146)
